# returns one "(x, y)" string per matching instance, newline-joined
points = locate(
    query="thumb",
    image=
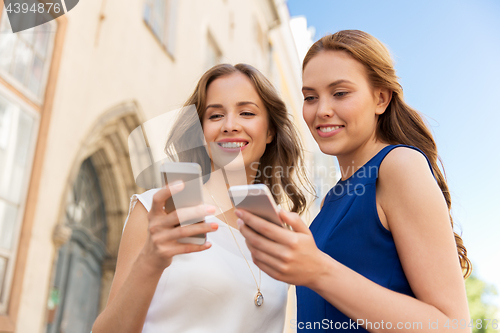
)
(294, 220)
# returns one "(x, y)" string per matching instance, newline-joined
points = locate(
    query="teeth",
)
(329, 129)
(233, 144)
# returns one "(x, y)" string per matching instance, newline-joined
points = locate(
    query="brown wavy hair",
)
(285, 152)
(399, 124)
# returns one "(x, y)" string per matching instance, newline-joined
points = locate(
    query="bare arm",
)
(418, 219)
(148, 244)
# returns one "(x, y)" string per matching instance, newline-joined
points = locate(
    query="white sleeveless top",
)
(213, 290)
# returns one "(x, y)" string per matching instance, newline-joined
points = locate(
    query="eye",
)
(247, 113)
(309, 99)
(340, 94)
(215, 116)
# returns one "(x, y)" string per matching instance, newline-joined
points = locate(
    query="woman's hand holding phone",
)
(288, 256)
(164, 228)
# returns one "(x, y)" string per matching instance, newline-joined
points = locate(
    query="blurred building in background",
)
(71, 91)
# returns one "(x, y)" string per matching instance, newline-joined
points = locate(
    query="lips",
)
(325, 131)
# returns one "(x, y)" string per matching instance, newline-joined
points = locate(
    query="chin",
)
(330, 149)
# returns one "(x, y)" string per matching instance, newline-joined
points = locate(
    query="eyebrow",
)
(219, 106)
(333, 84)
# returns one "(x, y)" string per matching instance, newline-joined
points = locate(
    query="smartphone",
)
(256, 199)
(191, 195)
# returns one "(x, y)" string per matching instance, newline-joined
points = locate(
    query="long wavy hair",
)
(399, 124)
(283, 157)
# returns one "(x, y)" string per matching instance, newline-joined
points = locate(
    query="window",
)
(18, 130)
(160, 16)
(25, 57)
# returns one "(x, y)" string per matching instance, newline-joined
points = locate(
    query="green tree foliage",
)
(479, 295)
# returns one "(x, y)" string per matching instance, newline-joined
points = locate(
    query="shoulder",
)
(146, 198)
(406, 183)
(403, 165)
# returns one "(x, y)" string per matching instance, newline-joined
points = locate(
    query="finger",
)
(188, 215)
(263, 227)
(171, 220)
(191, 230)
(162, 195)
(161, 233)
(167, 238)
(269, 270)
(259, 243)
(182, 248)
(270, 261)
(294, 220)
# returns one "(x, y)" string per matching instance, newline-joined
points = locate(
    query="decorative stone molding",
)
(61, 235)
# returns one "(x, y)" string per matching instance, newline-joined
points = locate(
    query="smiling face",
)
(340, 106)
(235, 119)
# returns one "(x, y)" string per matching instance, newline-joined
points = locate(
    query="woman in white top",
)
(161, 285)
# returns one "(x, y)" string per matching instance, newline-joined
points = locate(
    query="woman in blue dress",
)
(381, 254)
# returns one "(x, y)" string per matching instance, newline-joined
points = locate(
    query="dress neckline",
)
(371, 159)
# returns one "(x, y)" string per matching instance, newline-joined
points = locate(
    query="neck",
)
(351, 162)
(240, 176)
(216, 190)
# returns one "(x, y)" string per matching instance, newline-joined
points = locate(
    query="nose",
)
(325, 108)
(230, 124)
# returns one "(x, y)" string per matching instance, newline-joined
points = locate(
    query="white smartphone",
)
(191, 195)
(256, 199)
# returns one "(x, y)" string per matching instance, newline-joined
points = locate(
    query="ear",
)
(270, 136)
(384, 97)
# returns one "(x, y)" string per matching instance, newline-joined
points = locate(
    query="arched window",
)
(85, 206)
(74, 299)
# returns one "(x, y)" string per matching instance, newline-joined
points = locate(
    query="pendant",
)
(259, 299)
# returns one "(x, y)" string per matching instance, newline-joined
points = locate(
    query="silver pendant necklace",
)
(259, 298)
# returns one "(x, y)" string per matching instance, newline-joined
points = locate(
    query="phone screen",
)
(190, 196)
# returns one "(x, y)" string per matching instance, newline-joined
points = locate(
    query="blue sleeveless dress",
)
(349, 230)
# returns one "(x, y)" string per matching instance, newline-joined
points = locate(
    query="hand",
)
(165, 229)
(285, 255)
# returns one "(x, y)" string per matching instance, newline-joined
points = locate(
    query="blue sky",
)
(447, 55)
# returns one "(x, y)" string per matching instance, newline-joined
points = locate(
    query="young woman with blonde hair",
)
(381, 254)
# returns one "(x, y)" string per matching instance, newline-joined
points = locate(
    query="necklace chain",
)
(259, 299)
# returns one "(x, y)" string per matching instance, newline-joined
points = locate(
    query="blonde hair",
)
(399, 124)
(285, 152)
